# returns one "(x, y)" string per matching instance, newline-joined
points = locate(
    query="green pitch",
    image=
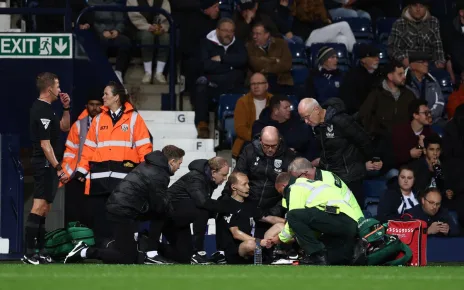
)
(94, 276)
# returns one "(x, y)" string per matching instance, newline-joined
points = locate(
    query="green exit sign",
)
(36, 45)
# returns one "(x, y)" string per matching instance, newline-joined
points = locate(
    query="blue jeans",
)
(294, 39)
(345, 13)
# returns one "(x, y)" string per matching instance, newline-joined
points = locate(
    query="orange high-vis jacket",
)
(74, 145)
(111, 152)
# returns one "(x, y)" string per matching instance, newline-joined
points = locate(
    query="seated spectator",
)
(295, 133)
(109, 26)
(385, 107)
(416, 30)
(346, 149)
(453, 38)
(343, 9)
(396, 200)
(437, 218)
(424, 85)
(324, 82)
(150, 26)
(247, 15)
(247, 111)
(235, 229)
(223, 59)
(428, 169)
(359, 80)
(455, 99)
(270, 56)
(408, 138)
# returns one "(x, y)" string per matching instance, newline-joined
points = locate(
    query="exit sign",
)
(36, 45)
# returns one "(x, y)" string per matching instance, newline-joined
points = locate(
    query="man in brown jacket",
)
(248, 109)
(270, 56)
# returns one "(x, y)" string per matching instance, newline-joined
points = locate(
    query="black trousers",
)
(182, 244)
(123, 250)
(338, 233)
(121, 44)
(76, 204)
(357, 189)
(99, 223)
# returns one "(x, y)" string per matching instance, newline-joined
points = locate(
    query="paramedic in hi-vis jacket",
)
(322, 221)
(116, 143)
(76, 205)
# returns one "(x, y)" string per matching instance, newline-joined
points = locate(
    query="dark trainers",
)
(200, 258)
(45, 259)
(318, 258)
(218, 258)
(75, 255)
(31, 259)
(157, 260)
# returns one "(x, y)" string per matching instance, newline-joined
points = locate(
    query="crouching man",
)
(235, 230)
(139, 197)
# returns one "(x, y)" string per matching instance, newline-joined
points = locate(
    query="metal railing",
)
(15, 203)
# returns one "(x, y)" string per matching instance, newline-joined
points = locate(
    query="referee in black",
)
(45, 129)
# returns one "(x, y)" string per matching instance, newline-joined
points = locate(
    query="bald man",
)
(346, 149)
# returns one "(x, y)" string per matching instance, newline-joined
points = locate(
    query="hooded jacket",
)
(143, 191)
(345, 146)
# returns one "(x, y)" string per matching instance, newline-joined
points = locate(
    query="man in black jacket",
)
(192, 203)
(453, 38)
(346, 149)
(223, 59)
(140, 196)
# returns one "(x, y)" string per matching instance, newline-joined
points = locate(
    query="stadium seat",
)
(384, 27)
(342, 53)
(294, 100)
(444, 79)
(374, 187)
(229, 129)
(226, 8)
(361, 27)
(299, 74)
(298, 53)
(383, 56)
(226, 106)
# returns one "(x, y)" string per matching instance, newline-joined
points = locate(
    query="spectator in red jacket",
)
(455, 99)
(408, 138)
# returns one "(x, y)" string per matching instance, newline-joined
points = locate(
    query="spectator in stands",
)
(295, 133)
(46, 23)
(312, 22)
(109, 26)
(408, 138)
(270, 56)
(324, 82)
(455, 99)
(150, 26)
(247, 111)
(424, 85)
(437, 218)
(416, 30)
(401, 197)
(343, 9)
(77, 6)
(385, 107)
(453, 38)
(223, 60)
(346, 149)
(262, 160)
(359, 80)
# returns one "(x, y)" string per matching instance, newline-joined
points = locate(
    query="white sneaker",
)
(159, 78)
(146, 78)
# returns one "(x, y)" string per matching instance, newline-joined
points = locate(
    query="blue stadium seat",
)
(361, 27)
(294, 100)
(342, 53)
(229, 129)
(384, 27)
(300, 74)
(298, 51)
(383, 56)
(444, 79)
(226, 8)
(226, 106)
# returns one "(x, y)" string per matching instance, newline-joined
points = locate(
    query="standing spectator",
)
(455, 99)
(396, 200)
(247, 111)
(424, 85)
(416, 30)
(151, 26)
(270, 56)
(453, 38)
(346, 149)
(359, 80)
(408, 138)
(324, 82)
(223, 61)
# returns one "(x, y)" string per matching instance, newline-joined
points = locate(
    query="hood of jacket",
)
(408, 16)
(333, 106)
(198, 165)
(157, 158)
(259, 149)
(212, 36)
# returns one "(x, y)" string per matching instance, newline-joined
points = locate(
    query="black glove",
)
(79, 175)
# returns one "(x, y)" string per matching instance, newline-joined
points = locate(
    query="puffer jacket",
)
(262, 171)
(345, 146)
(107, 20)
(143, 190)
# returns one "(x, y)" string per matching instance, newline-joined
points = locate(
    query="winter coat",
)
(322, 84)
(141, 20)
(107, 20)
(453, 42)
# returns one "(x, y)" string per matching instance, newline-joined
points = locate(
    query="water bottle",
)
(258, 253)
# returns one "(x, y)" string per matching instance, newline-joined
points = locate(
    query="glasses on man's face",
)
(426, 113)
(258, 83)
(307, 117)
(267, 146)
(432, 203)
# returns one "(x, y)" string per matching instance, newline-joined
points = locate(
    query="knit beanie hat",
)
(205, 4)
(324, 54)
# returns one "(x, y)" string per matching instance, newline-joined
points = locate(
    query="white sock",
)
(119, 75)
(221, 252)
(148, 66)
(152, 254)
(160, 66)
(84, 253)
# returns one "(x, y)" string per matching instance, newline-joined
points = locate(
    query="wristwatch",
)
(58, 167)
